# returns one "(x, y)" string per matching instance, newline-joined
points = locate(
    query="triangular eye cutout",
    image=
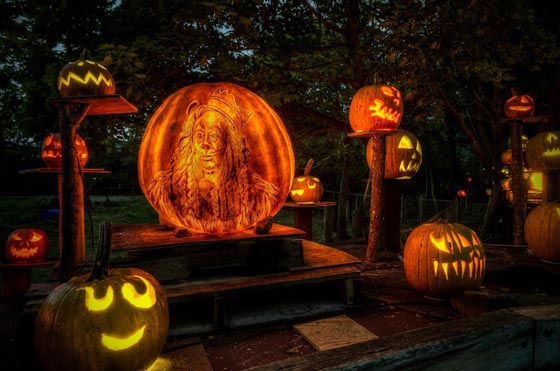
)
(418, 147)
(405, 142)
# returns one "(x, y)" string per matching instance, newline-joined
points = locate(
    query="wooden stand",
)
(72, 111)
(16, 278)
(303, 214)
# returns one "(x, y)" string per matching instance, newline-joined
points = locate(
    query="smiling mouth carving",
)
(116, 343)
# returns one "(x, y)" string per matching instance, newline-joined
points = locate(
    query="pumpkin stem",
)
(85, 54)
(513, 92)
(308, 166)
(100, 269)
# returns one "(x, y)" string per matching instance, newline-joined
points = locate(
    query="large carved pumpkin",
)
(85, 78)
(542, 231)
(519, 106)
(543, 151)
(113, 319)
(376, 107)
(51, 151)
(442, 259)
(307, 188)
(215, 158)
(403, 155)
(27, 246)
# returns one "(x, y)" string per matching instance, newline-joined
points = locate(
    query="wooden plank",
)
(189, 358)
(500, 340)
(154, 236)
(334, 332)
(99, 104)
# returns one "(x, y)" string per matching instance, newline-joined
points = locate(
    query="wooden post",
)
(377, 193)
(519, 191)
(392, 216)
(72, 244)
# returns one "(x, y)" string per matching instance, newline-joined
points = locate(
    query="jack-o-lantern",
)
(215, 158)
(403, 155)
(51, 151)
(506, 157)
(543, 151)
(113, 319)
(462, 193)
(376, 107)
(442, 259)
(85, 78)
(27, 246)
(542, 231)
(307, 188)
(519, 106)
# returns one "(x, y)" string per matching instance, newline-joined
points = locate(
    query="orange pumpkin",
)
(519, 106)
(506, 157)
(51, 151)
(403, 155)
(376, 107)
(542, 231)
(307, 188)
(543, 151)
(85, 78)
(27, 246)
(215, 158)
(442, 259)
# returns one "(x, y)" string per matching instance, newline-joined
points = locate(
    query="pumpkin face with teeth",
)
(85, 78)
(442, 259)
(119, 322)
(403, 155)
(543, 151)
(27, 246)
(376, 107)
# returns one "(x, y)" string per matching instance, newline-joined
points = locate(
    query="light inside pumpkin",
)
(122, 343)
(97, 305)
(26, 247)
(535, 181)
(145, 300)
(383, 111)
(412, 165)
(88, 78)
(553, 146)
(459, 254)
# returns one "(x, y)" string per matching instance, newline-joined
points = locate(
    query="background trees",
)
(454, 61)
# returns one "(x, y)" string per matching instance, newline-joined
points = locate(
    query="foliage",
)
(307, 59)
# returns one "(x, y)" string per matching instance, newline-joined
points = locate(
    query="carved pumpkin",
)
(85, 78)
(376, 107)
(51, 151)
(442, 259)
(113, 319)
(403, 155)
(506, 157)
(307, 188)
(542, 231)
(543, 151)
(519, 106)
(215, 158)
(27, 246)
(461, 193)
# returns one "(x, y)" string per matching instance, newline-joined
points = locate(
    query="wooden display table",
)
(303, 214)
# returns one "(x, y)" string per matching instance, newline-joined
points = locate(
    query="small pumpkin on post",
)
(85, 78)
(112, 319)
(51, 151)
(307, 188)
(376, 111)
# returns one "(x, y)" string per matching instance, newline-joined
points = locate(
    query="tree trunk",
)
(343, 200)
(377, 196)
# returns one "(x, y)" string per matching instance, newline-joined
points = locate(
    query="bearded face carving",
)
(442, 259)
(215, 158)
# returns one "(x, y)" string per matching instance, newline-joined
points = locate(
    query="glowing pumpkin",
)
(542, 231)
(307, 188)
(403, 155)
(85, 78)
(51, 151)
(461, 193)
(27, 246)
(506, 157)
(113, 319)
(215, 158)
(376, 107)
(543, 151)
(519, 106)
(442, 259)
